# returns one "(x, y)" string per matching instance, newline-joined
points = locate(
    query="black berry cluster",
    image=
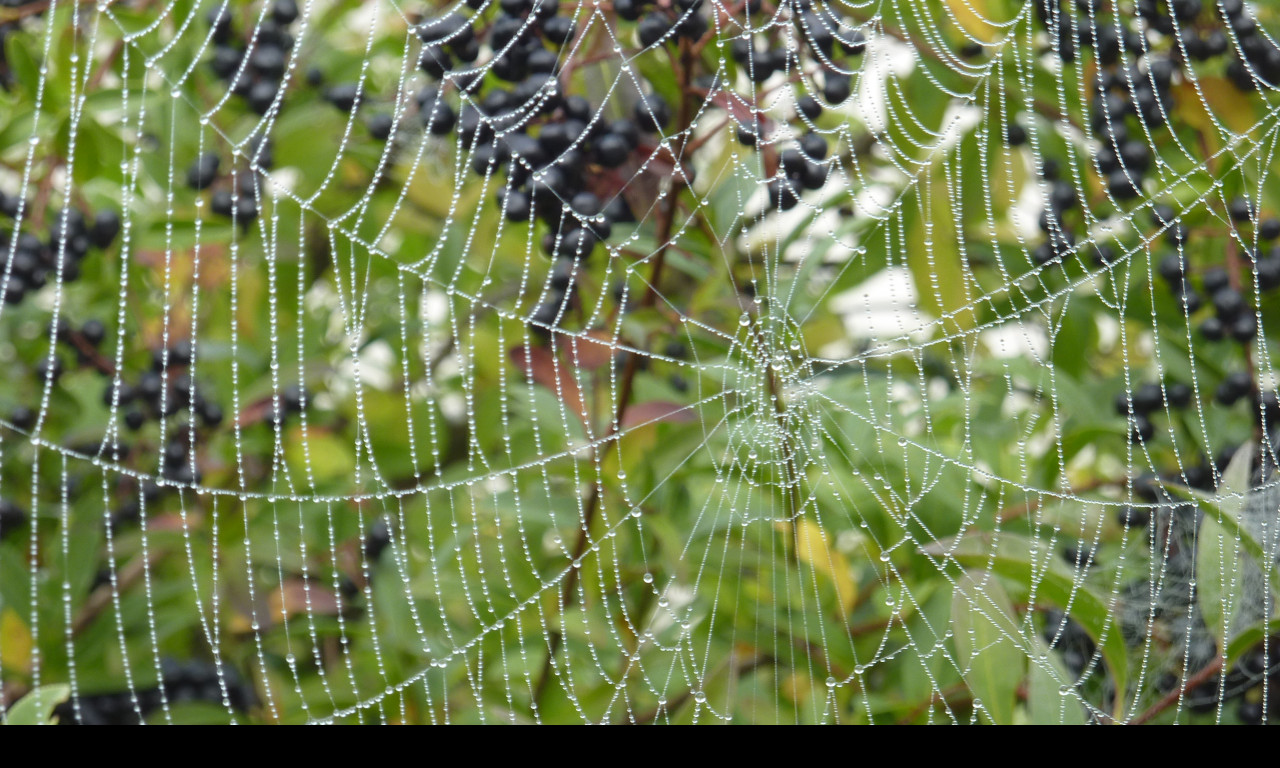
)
(254, 66)
(1194, 30)
(825, 38)
(31, 262)
(1147, 400)
(193, 681)
(1137, 63)
(1227, 315)
(163, 391)
(557, 153)
(234, 196)
(1149, 609)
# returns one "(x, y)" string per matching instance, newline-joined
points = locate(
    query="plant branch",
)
(665, 222)
(101, 597)
(1193, 682)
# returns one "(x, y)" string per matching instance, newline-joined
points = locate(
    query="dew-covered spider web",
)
(622, 361)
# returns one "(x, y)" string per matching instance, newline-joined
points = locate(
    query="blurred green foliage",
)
(771, 538)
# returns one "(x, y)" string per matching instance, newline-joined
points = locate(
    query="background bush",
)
(329, 437)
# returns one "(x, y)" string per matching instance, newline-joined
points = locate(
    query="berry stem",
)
(102, 597)
(1209, 670)
(664, 223)
(91, 354)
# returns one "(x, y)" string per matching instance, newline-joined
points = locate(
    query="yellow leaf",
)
(1226, 106)
(239, 624)
(797, 686)
(812, 549)
(822, 331)
(976, 18)
(15, 642)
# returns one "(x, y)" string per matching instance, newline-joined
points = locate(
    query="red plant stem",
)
(1193, 682)
(665, 222)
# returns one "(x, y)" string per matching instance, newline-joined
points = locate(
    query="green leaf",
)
(1221, 542)
(1218, 562)
(655, 65)
(987, 644)
(1250, 637)
(23, 65)
(320, 456)
(1045, 703)
(1012, 557)
(1076, 329)
(1235, 479)
(36, 708)
(1225, 510)
(1219, 569)
(933, 253)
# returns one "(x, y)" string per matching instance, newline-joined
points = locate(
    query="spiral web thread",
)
(831, 459)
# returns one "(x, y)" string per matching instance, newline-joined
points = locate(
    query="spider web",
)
(804, 438)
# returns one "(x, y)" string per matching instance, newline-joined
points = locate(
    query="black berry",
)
(652, 113)
(203, 171)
